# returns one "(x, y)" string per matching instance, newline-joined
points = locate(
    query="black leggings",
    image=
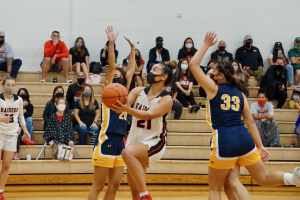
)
(185, 100)
(178, 109)
(273, 92)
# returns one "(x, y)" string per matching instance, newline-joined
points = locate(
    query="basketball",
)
(114, 92)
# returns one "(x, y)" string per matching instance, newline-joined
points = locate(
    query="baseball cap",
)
(297, 39)
(278, 44)
(125, 61)
(248, 37)
(2, 33)
(159, 39)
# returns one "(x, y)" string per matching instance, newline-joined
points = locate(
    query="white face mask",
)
(184, 66)
(61, 107)
(235, 68)
(188, 45)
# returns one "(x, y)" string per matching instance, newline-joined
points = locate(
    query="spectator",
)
(274, 82)
(74, 91)
(250, 58)
(278, 52)
(184, 82)
(157, 54)
(50, 108)
(238, 71)
(104, 54)
(188, 50)
(210, 66)
(7, 61)
(221, 54)
(55, 57)
(263, 115)
(59, 127)
(87, 113)
(79, 55)
(16, 156)
(27, 109)
(139, 68)
(177, 106)
(294, 55)
(295, 100)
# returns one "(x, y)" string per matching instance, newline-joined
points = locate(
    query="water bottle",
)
(28, 157)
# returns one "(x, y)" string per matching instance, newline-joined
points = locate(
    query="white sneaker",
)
(294, 86)
(43, 81)
(296, 176)
(69, 81)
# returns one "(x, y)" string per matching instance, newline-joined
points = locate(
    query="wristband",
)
(261, 117)
(80, 122)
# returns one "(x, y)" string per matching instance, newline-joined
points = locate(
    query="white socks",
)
(1, 190)
(288, 179)
(143, 193)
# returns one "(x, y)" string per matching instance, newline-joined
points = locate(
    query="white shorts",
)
(8, 142)
(156, 147)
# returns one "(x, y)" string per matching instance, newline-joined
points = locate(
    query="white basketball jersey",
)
(142, 130)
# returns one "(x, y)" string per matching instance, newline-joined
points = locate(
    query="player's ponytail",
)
(167, 68)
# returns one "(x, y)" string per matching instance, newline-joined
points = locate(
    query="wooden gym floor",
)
(158, 192)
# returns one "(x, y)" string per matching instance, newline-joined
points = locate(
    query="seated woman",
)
(139, 68)
(209, 66)
(87, 113)
(104, 55)
(27, 109)
(238, 71)
(50, 108)
(263, 115)
(79, 58)
(184, 82)
(59, 127)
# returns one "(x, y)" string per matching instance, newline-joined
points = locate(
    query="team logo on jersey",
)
(77, 96)
(141, 107)
(9, 110)
(184, 82)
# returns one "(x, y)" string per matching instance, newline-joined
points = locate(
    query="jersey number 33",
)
(227, 102)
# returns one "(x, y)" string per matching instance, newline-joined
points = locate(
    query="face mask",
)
(235, 68)
(189, 45)
(87, 94)
(55, 38)
(78, 44)
(59, 95)
(1, 42)
(248, 44)
(151, 78)
(24, 96)
(212, 77)
(295, 97)
(137, 57)
(279, 67)
(61, 107)
(80, 80)
(184, 66)
(9, 90)
(262, 101)
(159, 45)
(221, 48)
(119, 80)
(297, 46)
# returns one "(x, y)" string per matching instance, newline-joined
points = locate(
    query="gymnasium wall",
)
(29, 23)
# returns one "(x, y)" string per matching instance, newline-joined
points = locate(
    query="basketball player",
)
(231, 142)
(146, 142)
(107, 154)
(11, 107)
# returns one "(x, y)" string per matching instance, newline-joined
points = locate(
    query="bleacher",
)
(186, 157)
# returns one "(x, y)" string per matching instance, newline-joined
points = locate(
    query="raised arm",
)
(207, 83)
(111, 54)
(131, 63)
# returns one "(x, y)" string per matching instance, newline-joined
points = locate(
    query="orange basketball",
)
(114, 92)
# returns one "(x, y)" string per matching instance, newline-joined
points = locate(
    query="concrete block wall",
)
(28, 24)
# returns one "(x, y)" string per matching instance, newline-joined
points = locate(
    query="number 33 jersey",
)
(225, 109)
(143, 130)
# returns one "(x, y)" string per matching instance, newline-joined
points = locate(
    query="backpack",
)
(95, 67)
(95, 79)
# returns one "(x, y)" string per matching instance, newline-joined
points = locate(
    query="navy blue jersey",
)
(225, 109)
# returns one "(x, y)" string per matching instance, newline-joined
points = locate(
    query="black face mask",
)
(24, 96)
(119, 80)
(279, 67)
(159, 45)
(1, 42)
(59, 95)
(221, 48)
(212, 77)
(80, 80)
(248, 45)
(137, 57)
(151, 78)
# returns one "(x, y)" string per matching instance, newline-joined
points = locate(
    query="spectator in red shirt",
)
(55, 57)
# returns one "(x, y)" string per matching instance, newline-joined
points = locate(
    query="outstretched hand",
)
(131, 44)
(210, 38)
(111, 36)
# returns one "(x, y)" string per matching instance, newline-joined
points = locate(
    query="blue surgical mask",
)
(295, 97)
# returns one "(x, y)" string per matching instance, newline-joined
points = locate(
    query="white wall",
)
(28, 24)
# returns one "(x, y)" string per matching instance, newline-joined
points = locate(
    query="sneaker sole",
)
(297, 172)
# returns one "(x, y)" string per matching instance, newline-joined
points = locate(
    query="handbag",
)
(95, 67)
(27, 142)
(95, 78)
(65, 152)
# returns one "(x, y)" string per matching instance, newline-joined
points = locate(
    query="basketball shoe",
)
(144, 197)
(296, 176)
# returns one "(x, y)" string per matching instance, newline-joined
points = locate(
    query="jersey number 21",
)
(227, 102)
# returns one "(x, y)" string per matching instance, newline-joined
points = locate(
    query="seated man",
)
(55, 57)
(221, 54)
(7, 61)
(294, 55)
(250, 58)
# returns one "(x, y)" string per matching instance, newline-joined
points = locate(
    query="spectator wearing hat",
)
(7, 61)
(294, 55)
(274, 82)
(188, 50)
(157, 54)
(221, 54)
(250, 58)
(278, 52)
